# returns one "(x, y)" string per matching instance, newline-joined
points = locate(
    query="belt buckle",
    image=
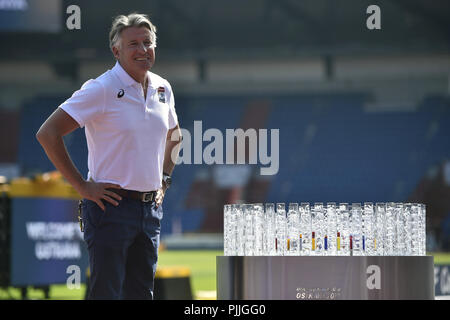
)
(147, 196)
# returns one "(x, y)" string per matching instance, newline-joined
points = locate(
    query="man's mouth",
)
(142, 59)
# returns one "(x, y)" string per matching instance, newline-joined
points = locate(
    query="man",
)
(129, 115)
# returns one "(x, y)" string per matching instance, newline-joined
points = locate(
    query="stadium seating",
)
(331, 149)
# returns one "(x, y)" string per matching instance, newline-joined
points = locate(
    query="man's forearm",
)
(57, 153)
(173, 146)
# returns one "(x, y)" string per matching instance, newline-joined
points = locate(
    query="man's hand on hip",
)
(97, 191)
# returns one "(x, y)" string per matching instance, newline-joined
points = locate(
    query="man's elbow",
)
(43, 136)
(180, 136)
(40, 135)
(175, 135)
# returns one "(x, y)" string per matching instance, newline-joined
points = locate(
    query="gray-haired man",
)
(129, 115)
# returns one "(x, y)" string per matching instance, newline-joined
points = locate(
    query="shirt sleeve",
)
(173, 119)
(87, 103)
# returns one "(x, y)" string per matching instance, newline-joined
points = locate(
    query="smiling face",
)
(135, 52)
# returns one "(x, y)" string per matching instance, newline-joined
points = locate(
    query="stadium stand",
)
(331, 149)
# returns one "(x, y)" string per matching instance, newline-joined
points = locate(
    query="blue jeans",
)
(123, 246)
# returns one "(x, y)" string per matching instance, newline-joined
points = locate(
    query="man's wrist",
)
(79, 185)
(166, 181)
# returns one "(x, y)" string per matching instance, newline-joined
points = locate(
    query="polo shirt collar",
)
(126, 79)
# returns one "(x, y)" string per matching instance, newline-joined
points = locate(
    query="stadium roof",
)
(202, 29)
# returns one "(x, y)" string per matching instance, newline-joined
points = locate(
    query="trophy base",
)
(325, 278)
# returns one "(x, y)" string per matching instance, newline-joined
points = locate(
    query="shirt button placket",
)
(144, 101)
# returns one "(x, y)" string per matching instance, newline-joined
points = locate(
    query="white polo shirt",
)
(125, 133)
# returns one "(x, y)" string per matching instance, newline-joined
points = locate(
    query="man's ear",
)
(115, 51)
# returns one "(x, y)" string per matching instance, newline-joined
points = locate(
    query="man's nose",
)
(142, 47)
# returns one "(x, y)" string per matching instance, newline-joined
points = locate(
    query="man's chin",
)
(144, 64)
(145, 68)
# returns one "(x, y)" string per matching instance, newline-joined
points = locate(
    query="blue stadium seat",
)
(330, 148)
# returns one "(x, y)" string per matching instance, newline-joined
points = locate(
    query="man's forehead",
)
(136, 32)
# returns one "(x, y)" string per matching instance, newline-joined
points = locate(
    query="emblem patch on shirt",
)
(120, 93)
(162, 94)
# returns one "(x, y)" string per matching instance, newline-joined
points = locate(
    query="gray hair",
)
(132, 20)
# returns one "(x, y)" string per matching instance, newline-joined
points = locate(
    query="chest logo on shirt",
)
(121, 93)
(162, 94)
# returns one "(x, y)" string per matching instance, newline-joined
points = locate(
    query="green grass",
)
(441, 257)
(201, 263)
(57, 292)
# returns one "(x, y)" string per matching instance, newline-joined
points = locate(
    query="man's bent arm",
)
(173, 145)
(50, 136)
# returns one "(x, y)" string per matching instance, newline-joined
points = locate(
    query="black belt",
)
(136, 195)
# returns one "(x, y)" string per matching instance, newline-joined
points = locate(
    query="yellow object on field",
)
(47, 185)
(4, 188)
(173, 272)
